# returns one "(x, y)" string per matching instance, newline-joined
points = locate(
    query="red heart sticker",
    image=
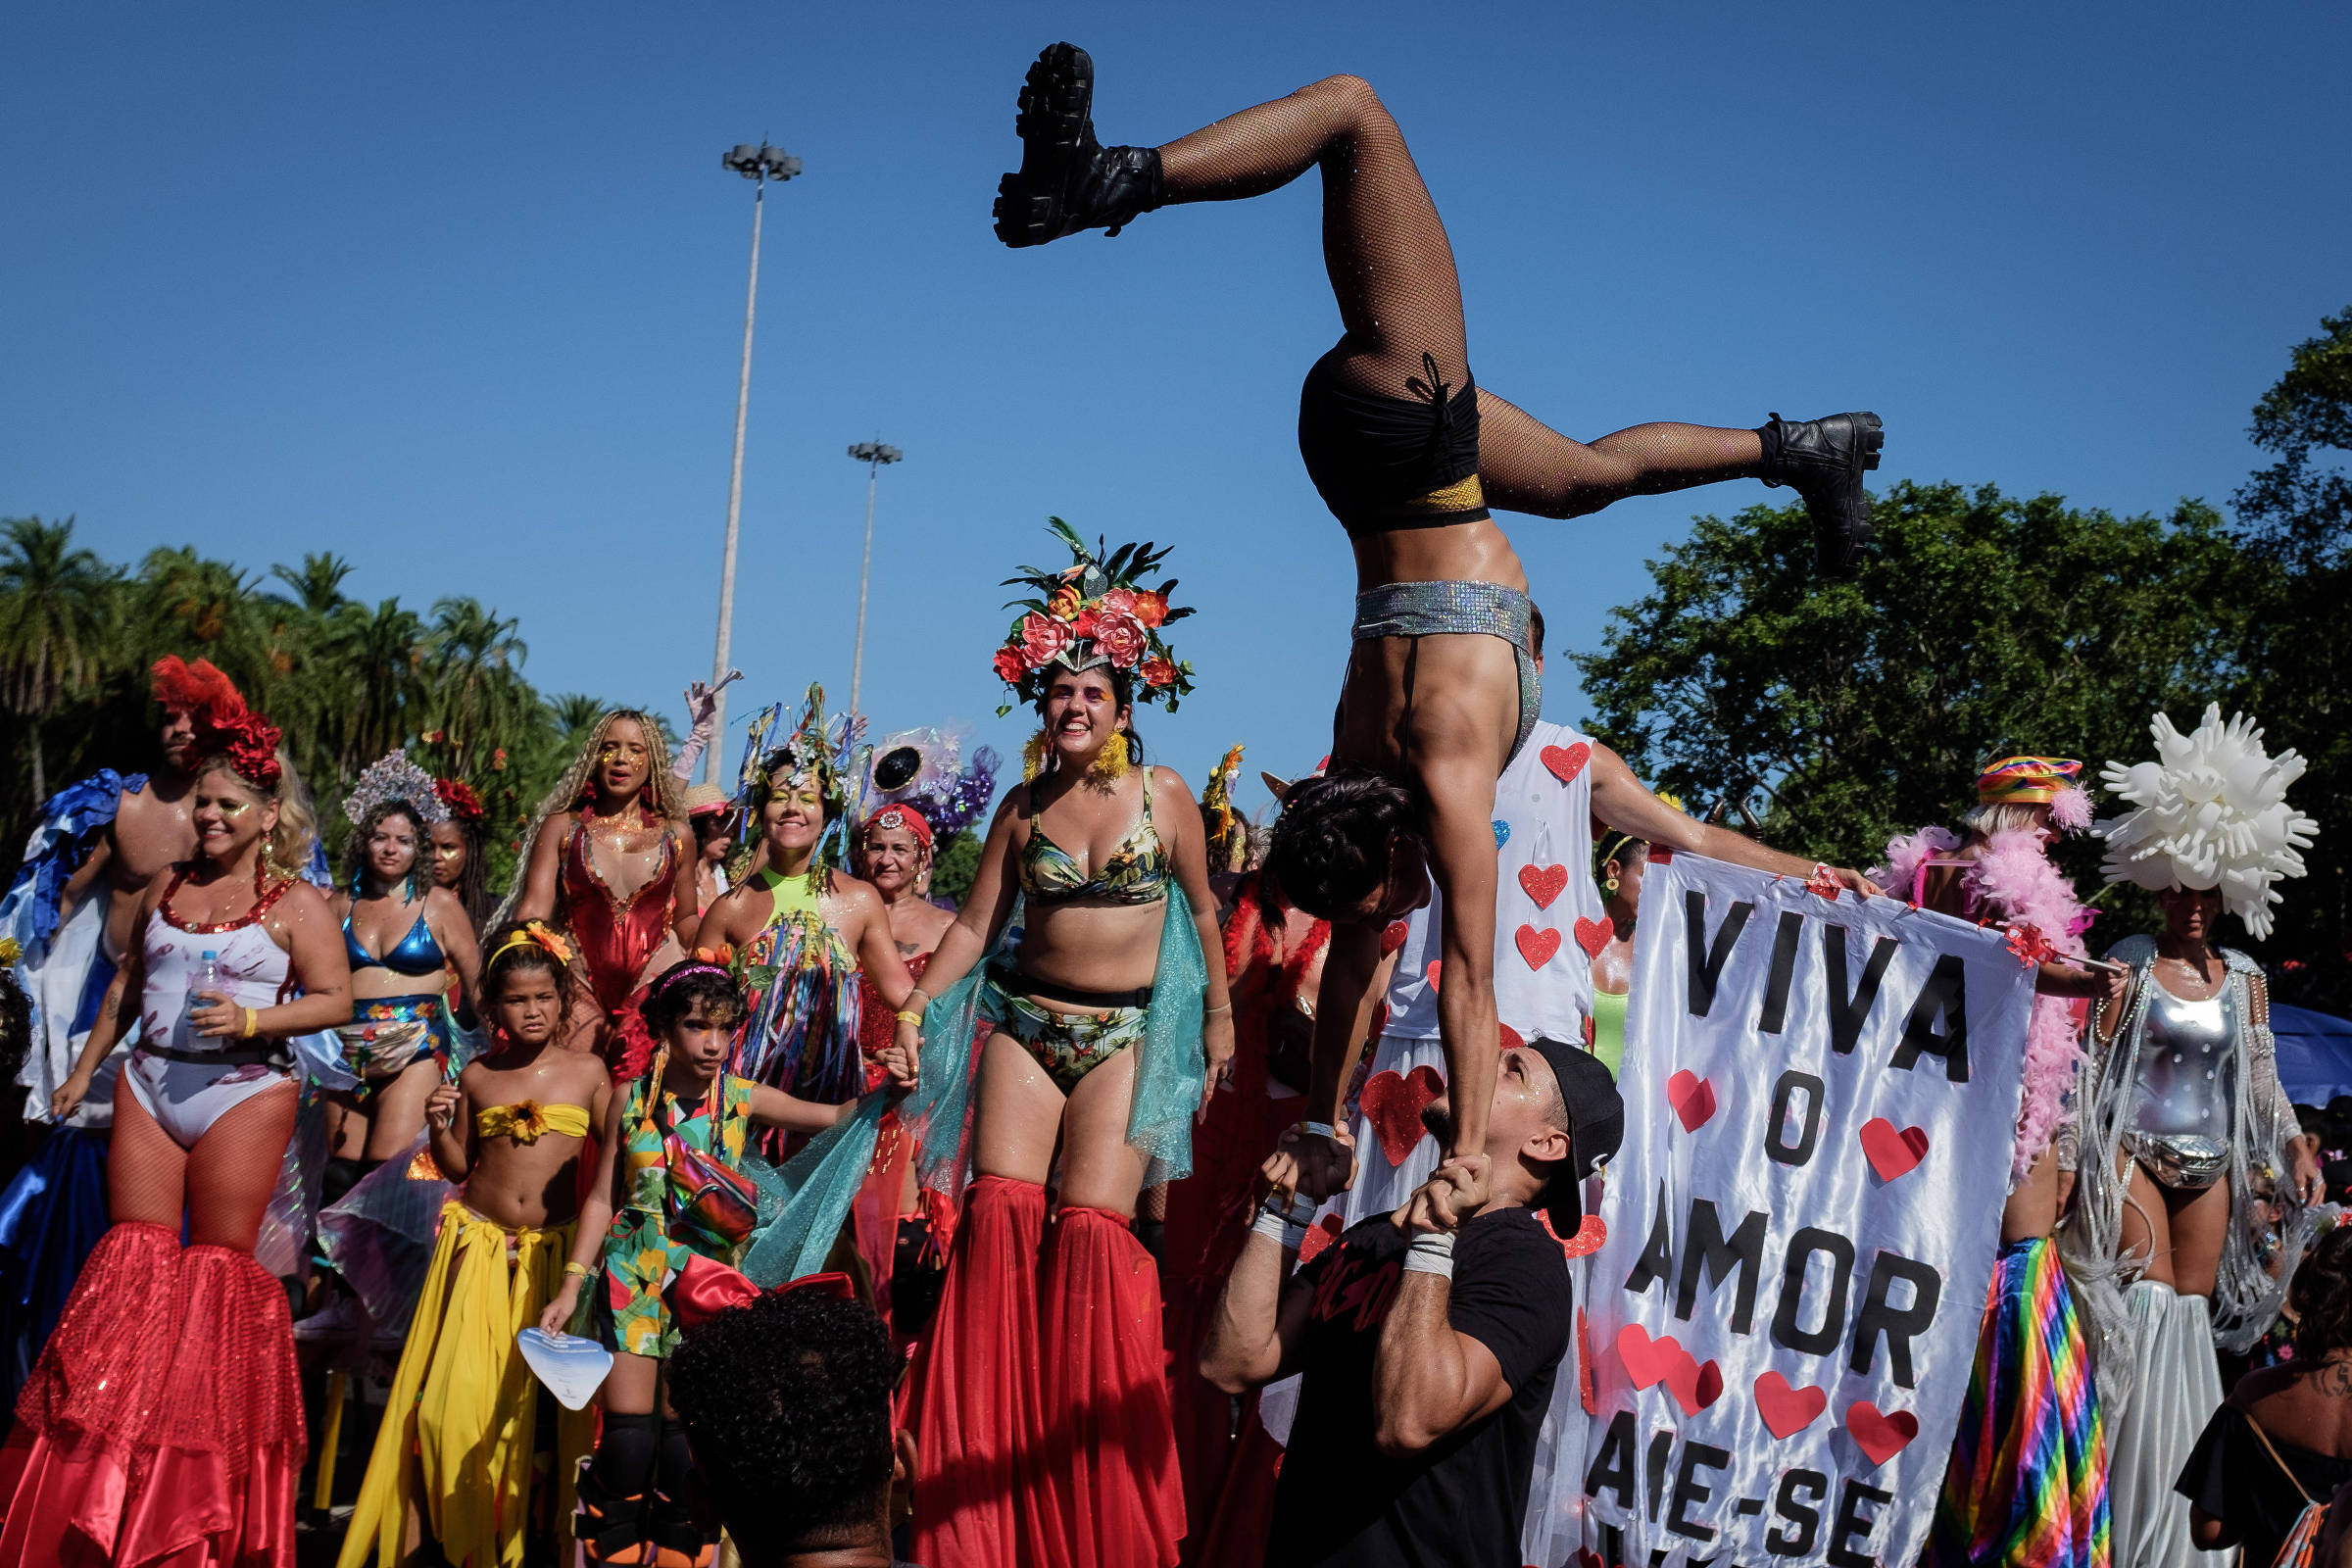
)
(1692, 1099)
(1788, 1411)
(1646, 1359)
(1432, 972)
(1880, 1436)
(1318, 1236)
(1392, 1102)
(1392, 935)
(1587, 1557)
(1566, 761)
(1510, 1038)
(1542, 883)
(1537, 947)
(1893, 1153)
(1694, 1387)
(1588, 1238)
(1594, 935)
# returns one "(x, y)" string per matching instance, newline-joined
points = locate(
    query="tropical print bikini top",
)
(1136, 873)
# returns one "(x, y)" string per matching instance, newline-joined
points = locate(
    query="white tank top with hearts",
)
(1547, 913)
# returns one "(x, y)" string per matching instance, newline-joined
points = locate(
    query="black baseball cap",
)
(1596, 1127)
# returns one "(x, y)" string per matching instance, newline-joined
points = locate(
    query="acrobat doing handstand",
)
(1410, 454)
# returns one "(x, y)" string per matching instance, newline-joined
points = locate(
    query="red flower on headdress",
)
(1119, 637)
(198, 690)
(1064, 604)
(1042, 637)
(1158, 672)
(1011, 665)
(249, 742)
(460, 797)
(1151, 607)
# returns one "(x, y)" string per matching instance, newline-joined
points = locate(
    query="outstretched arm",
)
(1460, 820)
(1350, 963)
(1254, 1333)
(1626, 804)
(1429, 1379)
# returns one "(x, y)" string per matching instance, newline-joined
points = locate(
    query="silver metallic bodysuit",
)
(2187, 1068)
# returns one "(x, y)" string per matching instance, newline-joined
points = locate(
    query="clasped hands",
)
(1319, 1166)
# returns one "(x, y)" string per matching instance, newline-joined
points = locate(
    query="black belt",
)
(238, 1057)
(1031, 984)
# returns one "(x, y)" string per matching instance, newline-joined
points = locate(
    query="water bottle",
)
(206, 976)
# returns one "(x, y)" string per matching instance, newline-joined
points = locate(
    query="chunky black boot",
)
(1823, 461)
(1068, 179)
(677, 1540)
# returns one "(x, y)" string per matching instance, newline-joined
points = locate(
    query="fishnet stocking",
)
(1393, 273)
(224, 1183)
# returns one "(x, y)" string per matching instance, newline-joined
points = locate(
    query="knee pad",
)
(625, 1456)
(673, 1461)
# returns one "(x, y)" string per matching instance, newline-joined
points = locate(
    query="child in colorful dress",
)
(460, 1438)
(668, 1186)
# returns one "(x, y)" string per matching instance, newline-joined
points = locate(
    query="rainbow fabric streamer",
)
(2027, 1482)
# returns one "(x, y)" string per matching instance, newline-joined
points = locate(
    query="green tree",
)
(52, 611)
(2297, 515)
(1984, 624)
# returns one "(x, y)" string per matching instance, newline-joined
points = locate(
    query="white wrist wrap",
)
(1432, 1252)
(1320, 1129)
(1275, 1228)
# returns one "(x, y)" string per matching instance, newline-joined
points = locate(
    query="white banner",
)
(1821, 1095)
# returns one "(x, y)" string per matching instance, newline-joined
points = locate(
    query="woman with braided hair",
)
(611, 862)
(1409, 454)
(164, 1418)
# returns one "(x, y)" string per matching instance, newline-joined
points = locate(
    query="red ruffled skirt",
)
(163, 1425)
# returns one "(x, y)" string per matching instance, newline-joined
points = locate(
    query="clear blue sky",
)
(455, 290)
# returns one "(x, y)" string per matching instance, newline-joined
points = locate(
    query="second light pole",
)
(873, 454)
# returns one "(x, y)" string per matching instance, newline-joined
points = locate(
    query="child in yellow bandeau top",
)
(455, 1455)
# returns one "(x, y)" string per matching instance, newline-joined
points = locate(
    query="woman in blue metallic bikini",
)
(1409, 454)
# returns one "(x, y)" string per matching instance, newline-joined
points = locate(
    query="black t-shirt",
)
(1459, 1501)
(2233, 1479)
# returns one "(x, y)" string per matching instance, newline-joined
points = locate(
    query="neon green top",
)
(1608, 1029)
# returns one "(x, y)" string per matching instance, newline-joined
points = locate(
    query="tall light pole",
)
(873, 454)
(759, 164)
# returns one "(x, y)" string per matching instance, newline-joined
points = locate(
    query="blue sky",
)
(456, 291)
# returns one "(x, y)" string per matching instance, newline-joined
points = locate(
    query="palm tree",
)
(52, 611)
(318, 585)
(478, 693)
(575, 713)
(375, 663)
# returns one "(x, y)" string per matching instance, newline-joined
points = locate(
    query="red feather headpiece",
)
(198, 690)
(248, 741)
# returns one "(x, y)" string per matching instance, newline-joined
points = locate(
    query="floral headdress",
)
(246, 741)
(463, 805)
(393, 778)
(2212, 812)
(1093, 613)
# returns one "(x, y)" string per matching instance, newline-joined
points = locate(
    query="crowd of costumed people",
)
(1189, 1191)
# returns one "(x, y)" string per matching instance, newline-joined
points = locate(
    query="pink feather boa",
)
(2011, 880)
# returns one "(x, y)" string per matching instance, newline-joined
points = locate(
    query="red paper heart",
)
(1692, 1099)
(1880, 1436)
(1646, 1359)
(1788, 1411)
(1392, 935)
(1318, 1236)
(1566, 761)
(1893, 1153)
(1694, 1387)
(1432, 972)
(1392, 1102)
(1594, 935)
(1510, 1038)
(1542, 883)
(1587, 1557)
(1537, 947)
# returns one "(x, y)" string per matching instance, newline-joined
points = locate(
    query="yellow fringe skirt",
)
(460, 1435)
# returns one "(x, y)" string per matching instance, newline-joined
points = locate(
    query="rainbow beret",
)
(2026, 780)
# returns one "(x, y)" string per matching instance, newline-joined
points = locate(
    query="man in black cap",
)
(1428, 1340)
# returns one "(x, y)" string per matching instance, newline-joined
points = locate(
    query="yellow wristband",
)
(253, 1022)
(577, 1271)
(909, 1015)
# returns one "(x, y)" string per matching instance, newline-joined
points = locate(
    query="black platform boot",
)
(615, 1531)
(1823, 461)
(1068, 179)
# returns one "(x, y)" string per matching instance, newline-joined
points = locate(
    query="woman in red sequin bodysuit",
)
(611, 862)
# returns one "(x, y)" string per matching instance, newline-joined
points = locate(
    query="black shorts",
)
(1381, 462)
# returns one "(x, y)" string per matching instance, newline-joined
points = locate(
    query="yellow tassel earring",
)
(1110, 764)
(1033, 756)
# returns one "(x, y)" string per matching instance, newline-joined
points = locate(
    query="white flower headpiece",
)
(2212, 812)
(393, 777)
